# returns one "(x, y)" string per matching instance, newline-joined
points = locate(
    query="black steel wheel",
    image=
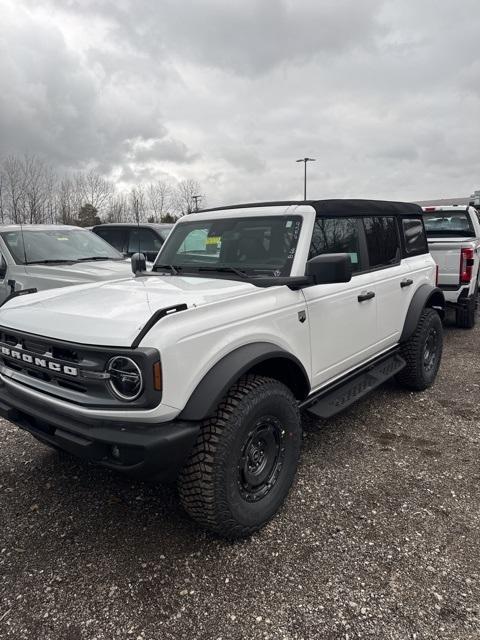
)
(261, 459)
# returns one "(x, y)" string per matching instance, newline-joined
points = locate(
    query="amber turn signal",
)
(157, 376)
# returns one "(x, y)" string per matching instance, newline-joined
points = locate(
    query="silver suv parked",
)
(51, 256)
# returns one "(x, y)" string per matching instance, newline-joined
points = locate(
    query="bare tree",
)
(14, 188)
(184, 196)
(36, 177)
(137, 203)
(69, 200)
(31, 191)
(94, 189)
(2, 197)
(159, 196)
(117, 210)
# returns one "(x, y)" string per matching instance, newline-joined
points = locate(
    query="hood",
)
(80, 272)
(111, 313)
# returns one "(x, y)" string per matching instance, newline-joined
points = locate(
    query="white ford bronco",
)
(199, 368)
(453, 234)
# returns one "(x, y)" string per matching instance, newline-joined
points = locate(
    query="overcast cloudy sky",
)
(386, 95)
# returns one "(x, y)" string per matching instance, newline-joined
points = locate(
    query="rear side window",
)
(146, 240)
(383, 243)
(414, 236)
(337, 235)
(115, 237)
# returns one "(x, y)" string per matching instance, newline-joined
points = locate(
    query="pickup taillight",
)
(466, 266)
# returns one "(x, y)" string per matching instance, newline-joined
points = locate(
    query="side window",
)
(414, 236)
(337, 235)
(146, 241)
(113, 236)
(383, 243)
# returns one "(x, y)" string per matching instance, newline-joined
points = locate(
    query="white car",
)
(199, 368)
(47, 256)
(453, 234)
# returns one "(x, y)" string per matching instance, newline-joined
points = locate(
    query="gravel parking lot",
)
(379, 538)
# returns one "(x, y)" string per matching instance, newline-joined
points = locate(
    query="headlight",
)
(126, 380)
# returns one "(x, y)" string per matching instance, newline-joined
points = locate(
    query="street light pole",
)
(305, 160)
(197, 198)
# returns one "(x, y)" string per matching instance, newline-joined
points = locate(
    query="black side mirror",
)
(3, 268)
(330, 268)
(139, 263)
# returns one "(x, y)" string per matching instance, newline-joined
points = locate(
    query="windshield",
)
(253, 245)
(447, 223)
(57, 245)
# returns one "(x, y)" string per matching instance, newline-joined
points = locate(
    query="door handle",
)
(406, 283)
(366, 296)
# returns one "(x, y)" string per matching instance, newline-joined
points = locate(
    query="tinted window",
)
(146, 241)
(337, 235)
(115, 237)
(415, 240)
(382, 240)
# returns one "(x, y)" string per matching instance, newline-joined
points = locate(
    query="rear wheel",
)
(467, 311)
(245, 458)
(422, 352)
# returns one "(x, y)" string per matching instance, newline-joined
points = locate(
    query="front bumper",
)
(139, 449)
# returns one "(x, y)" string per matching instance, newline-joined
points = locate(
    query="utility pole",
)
(305, 160)
(197, 198)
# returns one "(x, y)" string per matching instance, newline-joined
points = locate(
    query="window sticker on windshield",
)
(214, 240)
(61, 239)
(288, 224)
(354, 257)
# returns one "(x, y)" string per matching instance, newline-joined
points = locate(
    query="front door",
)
(342, 317)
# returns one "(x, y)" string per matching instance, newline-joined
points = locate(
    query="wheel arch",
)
(426, 296)
(260, 358)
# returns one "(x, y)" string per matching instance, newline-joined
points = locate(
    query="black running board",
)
(344, 394)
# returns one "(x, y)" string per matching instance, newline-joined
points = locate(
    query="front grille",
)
(72, 372)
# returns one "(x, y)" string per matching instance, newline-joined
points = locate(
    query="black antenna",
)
(23, 242)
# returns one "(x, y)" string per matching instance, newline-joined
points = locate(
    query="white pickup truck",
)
(453, 234)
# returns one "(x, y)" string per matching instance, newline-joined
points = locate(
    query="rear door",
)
(343, 317)
(390, 275)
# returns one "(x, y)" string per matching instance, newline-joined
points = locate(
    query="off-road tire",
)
(211, 482)
(466, 312)
(416, 375)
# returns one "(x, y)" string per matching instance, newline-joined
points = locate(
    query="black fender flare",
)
(425, 296)
(216, 382)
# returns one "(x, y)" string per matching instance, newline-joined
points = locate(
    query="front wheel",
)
(422, 352)
(245, 458)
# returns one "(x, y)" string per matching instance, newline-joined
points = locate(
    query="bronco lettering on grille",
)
(43, 362)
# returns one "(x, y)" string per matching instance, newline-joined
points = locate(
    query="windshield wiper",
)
(94, 258)
(238, 272)
(173, 269)
(51, 262)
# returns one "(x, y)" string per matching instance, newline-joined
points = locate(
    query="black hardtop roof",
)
(338, 207)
